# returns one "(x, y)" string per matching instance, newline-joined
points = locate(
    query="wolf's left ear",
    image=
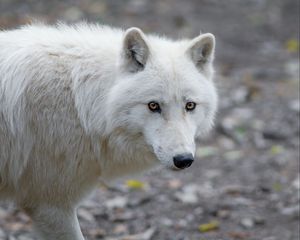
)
(135, 50)
(201, 50)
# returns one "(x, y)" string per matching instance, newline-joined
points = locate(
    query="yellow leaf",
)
(277, 187)
(135, 184)
(211, 226)
(276, 149)
(292, 45)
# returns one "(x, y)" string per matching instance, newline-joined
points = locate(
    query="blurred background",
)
(245, 183)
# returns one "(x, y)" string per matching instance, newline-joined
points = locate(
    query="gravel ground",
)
(245, 184)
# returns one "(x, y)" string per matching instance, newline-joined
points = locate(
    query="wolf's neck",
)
(125, 154)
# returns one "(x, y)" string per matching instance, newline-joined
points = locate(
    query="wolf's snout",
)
(183, 160)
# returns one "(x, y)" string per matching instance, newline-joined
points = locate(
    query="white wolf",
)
(83, 103)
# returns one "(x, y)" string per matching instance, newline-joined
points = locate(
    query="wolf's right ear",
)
(201, 50)
(135, 50)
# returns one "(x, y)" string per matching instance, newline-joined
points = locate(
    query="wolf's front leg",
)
(52, 223)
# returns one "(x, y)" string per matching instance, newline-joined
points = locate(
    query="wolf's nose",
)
(183, 160)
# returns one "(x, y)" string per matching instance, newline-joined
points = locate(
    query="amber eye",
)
(190, 106)
(154, 107)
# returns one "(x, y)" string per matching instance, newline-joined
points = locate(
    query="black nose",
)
(183, 160)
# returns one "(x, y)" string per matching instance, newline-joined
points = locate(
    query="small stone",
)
(233, 189)
(274, 134)
(175, 183)
(259, 141)
(97, 233)
(182, 223)
(270, 238)
(73, 14)
(295, 105)
(11, 237)
(212, 173)
(24, 238)
(233, 155)
(223, 213)
(3, 213)
(188, 194)
(247, 223)
(2, 234)
(258, 220)
(199, 211)
(120, 229)
(122, 216)
(292, 69)
(240, 95)
(207, 151)
(238, 235)
(296, 183)
(117, 202)
(85, 215)
(226, 143)
(166, 222)
(139, 200)
(241, 201)
(292, 211)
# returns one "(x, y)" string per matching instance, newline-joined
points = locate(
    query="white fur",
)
(72, 111)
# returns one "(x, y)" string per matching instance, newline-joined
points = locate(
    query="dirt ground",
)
(245, 182)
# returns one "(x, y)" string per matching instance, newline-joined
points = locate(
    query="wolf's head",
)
(164, 92)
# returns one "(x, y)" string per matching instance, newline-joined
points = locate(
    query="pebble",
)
(274, 134)
(240, 95)
(296, 183)
(258, 220)
(233, 155)
(175, 184)
(2, 234)
(294, 105)
(270, 238)
(3, 213)
(24, 238)
(292, 69)
(259, 141)
(73, 14)
(223, 213)
(291, 211)
(240, 201)
(85, 215)
(247, 223)
(120, 229)
(208, 151)
(98, 233)
(166, 222)
(226, 143)
(122, 216)
(117, 202)
(188, 197)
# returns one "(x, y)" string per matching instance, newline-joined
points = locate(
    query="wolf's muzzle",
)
(182, 161)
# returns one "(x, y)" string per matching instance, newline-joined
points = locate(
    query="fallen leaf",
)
(211, 226)
(276, 149)
(277, 187)
(292, 45)
(135, 184)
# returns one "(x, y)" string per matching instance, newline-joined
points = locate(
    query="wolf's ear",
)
(201, 50)
(135, 50)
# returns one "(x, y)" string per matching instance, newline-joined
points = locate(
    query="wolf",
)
(85, 103)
